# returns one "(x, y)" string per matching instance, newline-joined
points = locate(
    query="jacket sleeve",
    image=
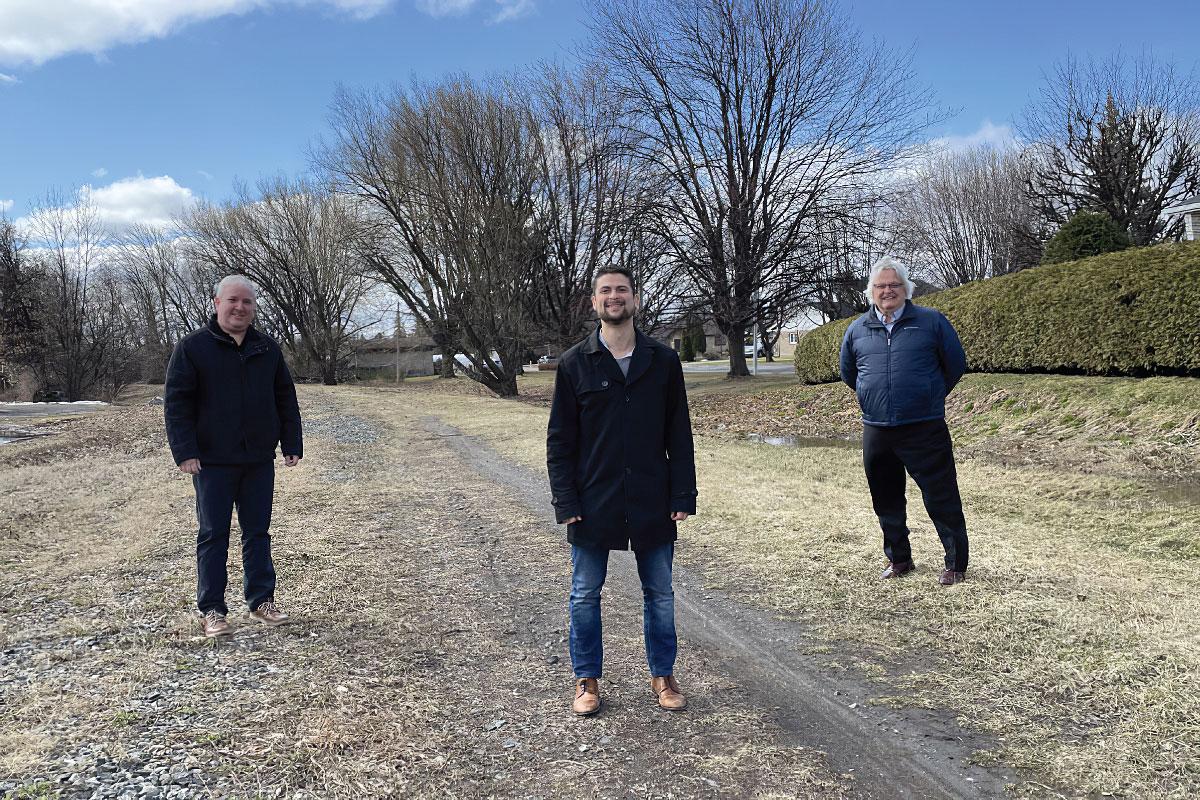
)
(291, 437)
(681, 454)
(848, 361)
(954, 358)
(179, 405)
(562, 447)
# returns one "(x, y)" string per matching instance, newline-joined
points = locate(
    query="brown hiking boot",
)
(269, 614)
(587, 697)
(214, 624)
(666, 689)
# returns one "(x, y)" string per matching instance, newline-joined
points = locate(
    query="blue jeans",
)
(590, 568)
(219, 487)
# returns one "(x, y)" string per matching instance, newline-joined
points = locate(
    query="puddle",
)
(10, 439)
(805, 441)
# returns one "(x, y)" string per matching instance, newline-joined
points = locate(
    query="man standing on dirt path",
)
(902, 360)
(622, 474)
(229, 400)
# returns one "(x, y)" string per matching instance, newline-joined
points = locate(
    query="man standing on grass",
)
(902, 360)
(622, 474)
(229, 400)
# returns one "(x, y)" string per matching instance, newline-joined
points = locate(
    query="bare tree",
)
(589, 199)
(1119, 136)
(967, 216)
(171, 292)
(754, 112)
(22, 281)
(847, 237)
(301, 244)
(453, 173)
(87, 343)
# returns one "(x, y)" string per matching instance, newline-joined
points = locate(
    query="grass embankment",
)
(1076, 639)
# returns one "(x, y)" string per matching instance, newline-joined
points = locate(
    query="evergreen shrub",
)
(1088, 233)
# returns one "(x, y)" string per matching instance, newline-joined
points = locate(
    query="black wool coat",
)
(226, 404)
(619, 450)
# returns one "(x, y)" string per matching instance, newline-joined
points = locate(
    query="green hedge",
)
(1135, 312)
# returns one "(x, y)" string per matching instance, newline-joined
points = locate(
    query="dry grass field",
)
(428, 658)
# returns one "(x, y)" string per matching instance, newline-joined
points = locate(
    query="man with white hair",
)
(229, 401)
(902, 360)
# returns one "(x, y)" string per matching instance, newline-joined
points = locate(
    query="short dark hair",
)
(615, 270)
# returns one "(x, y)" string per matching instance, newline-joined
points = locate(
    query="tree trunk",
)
(736, 335)
(447, 366)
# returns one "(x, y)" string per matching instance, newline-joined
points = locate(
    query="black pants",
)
(219, 487)
(925, 450)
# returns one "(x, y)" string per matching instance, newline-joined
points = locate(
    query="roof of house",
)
(1189, 204)
(389, 344)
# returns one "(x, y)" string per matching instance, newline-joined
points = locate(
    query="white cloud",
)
(35, 31)
(150, 201)
(444, 8)
(206, 175)
(99, 172)
(7, 78)
(5, 205)
(988, 135)
(512, 9)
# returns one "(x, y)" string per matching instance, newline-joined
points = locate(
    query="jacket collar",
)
(643, 355)
(872, 319)
(252, 343)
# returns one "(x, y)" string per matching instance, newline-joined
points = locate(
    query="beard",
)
(615, 314)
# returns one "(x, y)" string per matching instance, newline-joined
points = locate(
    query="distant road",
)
(778, 368)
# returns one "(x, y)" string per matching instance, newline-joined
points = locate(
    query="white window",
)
(793, 338)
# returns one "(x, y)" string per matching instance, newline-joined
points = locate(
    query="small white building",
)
(1190, 208)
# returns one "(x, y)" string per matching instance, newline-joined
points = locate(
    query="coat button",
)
(628, 470)
(603, 384)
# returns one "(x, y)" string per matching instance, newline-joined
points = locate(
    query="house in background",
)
(385, 358)
(715, 343)
(1190, 209)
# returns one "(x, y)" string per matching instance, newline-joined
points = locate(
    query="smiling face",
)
(235, 307)
(613, 299)
(887, 291)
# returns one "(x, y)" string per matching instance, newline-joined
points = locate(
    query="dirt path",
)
(889, 753)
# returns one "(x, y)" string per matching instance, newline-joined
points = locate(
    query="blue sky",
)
(154, 104)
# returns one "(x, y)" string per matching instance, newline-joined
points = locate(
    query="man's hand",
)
(291, 461)
(191, 466)
(572, 520)
(679, 516)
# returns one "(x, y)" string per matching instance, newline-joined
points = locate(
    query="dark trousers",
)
(925, 450)
(220, 487)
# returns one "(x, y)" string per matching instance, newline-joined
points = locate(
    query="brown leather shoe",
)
(666, 689)
(897, 568)
(214, 624)
(270, 614)
(952, 576)
(587, 697)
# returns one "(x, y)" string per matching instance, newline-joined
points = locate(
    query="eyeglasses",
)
(892, 286)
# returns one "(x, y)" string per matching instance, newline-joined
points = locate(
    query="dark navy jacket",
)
(619, 450)
(903, 377)
(226, 404)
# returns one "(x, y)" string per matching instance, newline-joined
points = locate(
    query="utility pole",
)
(396, 337)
